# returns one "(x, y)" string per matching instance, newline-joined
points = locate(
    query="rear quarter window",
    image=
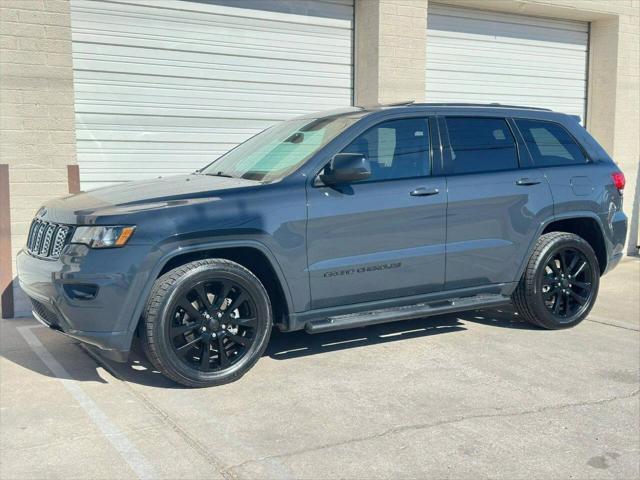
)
(550, 144)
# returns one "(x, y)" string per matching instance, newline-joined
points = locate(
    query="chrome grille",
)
(60, 240)
(47, 239)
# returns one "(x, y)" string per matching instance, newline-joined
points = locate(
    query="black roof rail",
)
(393, 104)
(399, 104)
(490, 105)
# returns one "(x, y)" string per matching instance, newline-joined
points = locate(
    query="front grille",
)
(47, 239)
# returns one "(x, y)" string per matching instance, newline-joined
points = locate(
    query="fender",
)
(555, 218)
(181, 250)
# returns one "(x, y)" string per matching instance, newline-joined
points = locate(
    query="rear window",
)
(481, 144)
(550, 144)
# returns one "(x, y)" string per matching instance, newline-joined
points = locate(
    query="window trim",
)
(437, 157)
(446, 146)
(575, 140)
(316, 183)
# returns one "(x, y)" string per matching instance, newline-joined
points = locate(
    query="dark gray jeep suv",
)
(330, 221)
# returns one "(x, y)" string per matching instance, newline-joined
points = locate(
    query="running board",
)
(409, 312)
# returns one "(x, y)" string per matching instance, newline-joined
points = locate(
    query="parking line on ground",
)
(129, 453)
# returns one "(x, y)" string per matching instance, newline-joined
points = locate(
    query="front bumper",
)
(55, 288)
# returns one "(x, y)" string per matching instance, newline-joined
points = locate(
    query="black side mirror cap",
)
(345, 168)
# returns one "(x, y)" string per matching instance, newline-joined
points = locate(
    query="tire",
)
(555, 282)
(206, 323)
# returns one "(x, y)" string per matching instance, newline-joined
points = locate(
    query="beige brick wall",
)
(391, 39)
(37, 134)
(626, 146)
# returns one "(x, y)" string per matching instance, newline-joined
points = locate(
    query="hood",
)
(139, 196)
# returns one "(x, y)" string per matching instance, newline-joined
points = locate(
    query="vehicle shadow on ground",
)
(505, 317)
(15, 349)
(285, 346)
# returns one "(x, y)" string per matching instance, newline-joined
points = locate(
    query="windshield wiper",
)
(219, 174)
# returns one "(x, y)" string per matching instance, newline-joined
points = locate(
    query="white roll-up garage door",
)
(166, 86)
(481, 56)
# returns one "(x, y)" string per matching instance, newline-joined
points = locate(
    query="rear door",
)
(576, 183)
(383, 237)
(495, 203)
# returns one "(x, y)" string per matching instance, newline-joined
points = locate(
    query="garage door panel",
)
(98, 121)
(90, 92)
(138, 140)
(214, 34)
(474, 67)
(93, 80)
(485, 57)
(514, 90)
(200, 50)
(447, 13)
(449, 73)
(485, 52)
(168, 109)
(221, 97)
(169, 86)
(212, 71)
(518, 34)
(310, 12)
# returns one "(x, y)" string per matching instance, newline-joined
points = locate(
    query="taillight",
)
(618, 180)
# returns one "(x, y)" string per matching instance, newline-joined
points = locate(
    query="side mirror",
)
(346, 167)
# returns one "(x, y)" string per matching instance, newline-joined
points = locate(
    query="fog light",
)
(80, 291)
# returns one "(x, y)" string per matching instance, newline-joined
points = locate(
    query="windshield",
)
(279, 150)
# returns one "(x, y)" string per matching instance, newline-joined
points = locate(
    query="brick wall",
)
(391, 39)
(627, 140)
(37, 138)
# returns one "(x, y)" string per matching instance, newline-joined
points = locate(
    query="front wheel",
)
(560, 284)
(206, 322)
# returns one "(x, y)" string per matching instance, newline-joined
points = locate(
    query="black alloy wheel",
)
(567, 284)
(206, 322)
(560, 282)
(213, 325)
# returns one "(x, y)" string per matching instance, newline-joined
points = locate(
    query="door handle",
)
(424, 192)
(528, 181)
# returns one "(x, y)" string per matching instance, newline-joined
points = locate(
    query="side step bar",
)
(409, 312)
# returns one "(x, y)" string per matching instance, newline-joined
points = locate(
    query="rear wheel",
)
(206, 322)
(560, 284)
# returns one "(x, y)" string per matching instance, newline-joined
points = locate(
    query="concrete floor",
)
(477, 395)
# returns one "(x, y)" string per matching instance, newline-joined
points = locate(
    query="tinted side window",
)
(550, 144)
(395, 149)
(481, 144)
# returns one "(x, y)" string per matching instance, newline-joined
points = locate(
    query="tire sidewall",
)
(169, 357)
(543, 315)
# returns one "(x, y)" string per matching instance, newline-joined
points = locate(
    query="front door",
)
(383, 237)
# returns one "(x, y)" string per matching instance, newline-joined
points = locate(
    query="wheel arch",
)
(560, 223)
(588, 228)
(250, 254)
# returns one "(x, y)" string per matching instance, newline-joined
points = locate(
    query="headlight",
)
(102, 237)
